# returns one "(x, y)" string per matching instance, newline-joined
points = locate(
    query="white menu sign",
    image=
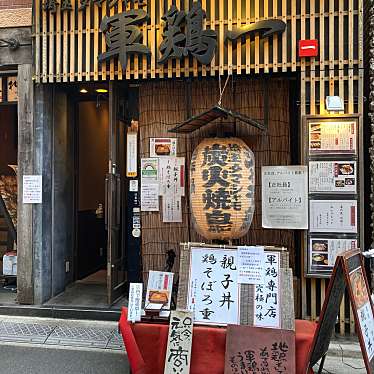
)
(332, 137)
(332, 176)
(213, 292)
(135, 302)
(333, 216)
(32, 189)
(285, 197)
(159, 290)
(266, 305)
(251, 265)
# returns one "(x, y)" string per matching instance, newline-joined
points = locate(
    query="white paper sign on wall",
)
(32, 189)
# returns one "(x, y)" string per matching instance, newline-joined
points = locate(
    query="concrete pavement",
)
(53, 346)
(24, 358)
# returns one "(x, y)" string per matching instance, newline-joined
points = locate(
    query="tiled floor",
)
(63, 334)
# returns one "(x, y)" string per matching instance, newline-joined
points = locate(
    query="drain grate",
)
(78, 336)
(24, 332)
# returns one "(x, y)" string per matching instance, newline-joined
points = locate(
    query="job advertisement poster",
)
(285, 197)
(333, 216)
(332, 176)
(332, 137)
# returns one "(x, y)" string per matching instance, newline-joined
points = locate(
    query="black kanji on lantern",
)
(197, 42)
(123, 36)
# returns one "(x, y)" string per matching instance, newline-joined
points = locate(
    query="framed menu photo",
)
(335, 135)
(333, 176)
(323, 251)
(329, 216)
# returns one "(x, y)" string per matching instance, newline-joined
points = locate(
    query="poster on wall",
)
(171, 209)
(32, 189)
(333, 136)
(213, 292)
(333, 176)
(163, 147)
(324, 251)
(285, 197)
(149, 201)
(132, 154)
(159, 290)
(338, 216)
(171, 176)
(149, 170)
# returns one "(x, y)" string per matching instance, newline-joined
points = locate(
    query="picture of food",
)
(315, 136)
(158, 297)
(315, 127)
(339, 183)
(320, 259)
(347, 169)
(320, 245)
(162, 149)
(359, 289)
(349, 181)
(315, 144)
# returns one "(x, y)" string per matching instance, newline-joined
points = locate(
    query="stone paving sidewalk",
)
(73, 333)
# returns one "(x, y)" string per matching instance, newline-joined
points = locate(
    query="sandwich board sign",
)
(348, 274)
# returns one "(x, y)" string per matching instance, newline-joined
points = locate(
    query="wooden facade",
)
(68, 42)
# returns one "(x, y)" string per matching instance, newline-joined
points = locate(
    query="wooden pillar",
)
(25, 166)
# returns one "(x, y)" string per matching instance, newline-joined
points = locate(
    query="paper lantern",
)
(222, 177)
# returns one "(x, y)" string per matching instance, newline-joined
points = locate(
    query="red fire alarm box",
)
(308, 48)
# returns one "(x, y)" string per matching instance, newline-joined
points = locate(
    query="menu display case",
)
(332, 154)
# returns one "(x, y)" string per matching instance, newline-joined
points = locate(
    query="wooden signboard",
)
(348, 273)
(256, 349)
(178, 352)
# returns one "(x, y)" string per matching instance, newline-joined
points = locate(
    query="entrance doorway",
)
(96, 269)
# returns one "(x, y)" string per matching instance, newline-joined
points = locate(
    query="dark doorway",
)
(91, 165)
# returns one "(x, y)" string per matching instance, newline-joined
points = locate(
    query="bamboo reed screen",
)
(164, 104)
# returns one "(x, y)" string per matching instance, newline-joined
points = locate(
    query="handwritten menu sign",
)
(285, 197)
(213, 292)
(258, 350)
(32, 189)
(171, 170)
(364, 310)
(332, 176)
(135, 302)
(178, 352)
(332, 136)
(266, 305)
(333, 216)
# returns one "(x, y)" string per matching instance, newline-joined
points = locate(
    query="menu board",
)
(331, 216)
(324, 251)
(333, 176)
(333, 161)
(335, 136)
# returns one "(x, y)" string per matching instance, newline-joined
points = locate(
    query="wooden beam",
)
(25, 166)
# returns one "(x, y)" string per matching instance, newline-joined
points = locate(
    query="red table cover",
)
(146, 346)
